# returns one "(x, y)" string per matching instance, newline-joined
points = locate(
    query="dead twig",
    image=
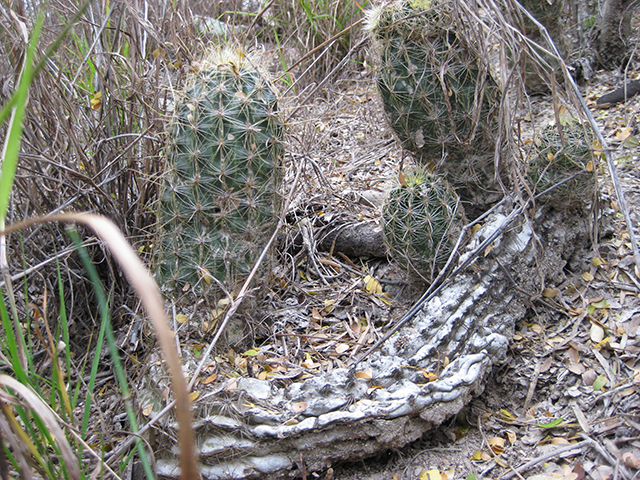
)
(556, 452)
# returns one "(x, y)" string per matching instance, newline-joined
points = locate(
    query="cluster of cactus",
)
(563, 157)
(439, 97)
(220, 198)
(422, 219)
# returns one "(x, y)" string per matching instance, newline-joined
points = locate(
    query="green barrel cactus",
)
(422, 219)
(556, 157)
(220, 198)
(439, 97)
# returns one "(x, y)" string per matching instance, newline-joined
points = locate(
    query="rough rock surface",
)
(422, 375)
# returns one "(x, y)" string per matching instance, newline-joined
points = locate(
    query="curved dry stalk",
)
(144, 285)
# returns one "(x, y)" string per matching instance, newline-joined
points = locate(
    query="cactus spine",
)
(439, 98)
(220, 198)
(422, 218)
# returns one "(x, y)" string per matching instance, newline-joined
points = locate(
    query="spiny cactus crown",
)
(439, 97)
(421, 220)
(220, 197)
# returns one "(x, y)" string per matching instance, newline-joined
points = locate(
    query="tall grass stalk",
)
(107, 329)
(28, 423)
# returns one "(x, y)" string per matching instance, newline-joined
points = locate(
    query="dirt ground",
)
(566, 399)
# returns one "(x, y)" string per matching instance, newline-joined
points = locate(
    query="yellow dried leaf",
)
(205, 275)
(559, 441)
(372, 285)
(623, 134)
(146, 411)
(497, 442)
(181, 318)
(550, 292)
(374, 387)
(365, 374)
(96, 101)
(507, 415)
(511, 436)
(384, 297)
(587, 277)
(597, 261)
(477, 455)
(430, 475)
(328, 305)
(342, 347)
(589, 167)
(263, 375)
(401, 179)
(476, 227)
(210, 378)
(564, 115)
(291, 421)
(550, 156)
(597, 148)
(193, 396)
(430, 376)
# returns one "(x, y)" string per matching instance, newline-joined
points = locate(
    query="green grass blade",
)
(113, 348)
(12, 102)
(13, 141)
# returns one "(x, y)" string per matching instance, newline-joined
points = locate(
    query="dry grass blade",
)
(32, 401)
(145, 287)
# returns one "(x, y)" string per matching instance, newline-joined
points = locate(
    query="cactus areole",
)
(220, 197)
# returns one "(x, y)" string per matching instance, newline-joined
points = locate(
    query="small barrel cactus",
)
(558, 155)
(220, 199)
(422, 218)
(439, 97)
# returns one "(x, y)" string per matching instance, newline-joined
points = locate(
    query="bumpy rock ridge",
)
(261, 431)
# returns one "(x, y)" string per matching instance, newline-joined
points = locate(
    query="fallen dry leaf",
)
(430, 475)
(596, 333)
(298, 407)
(497, 445)
(576, 368)
(630, 460)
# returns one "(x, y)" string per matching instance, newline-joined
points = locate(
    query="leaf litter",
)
(564, 404)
